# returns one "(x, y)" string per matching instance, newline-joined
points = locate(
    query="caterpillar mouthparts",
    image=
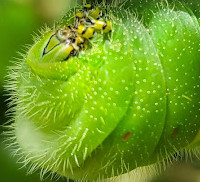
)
(109, 93)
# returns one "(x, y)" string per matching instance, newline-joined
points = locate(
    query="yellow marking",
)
(103, 26)
(88, 6)
(68, 50)
(86, 32)
(79, 15)
(89, 33)
(108, 27)
(79, 40)
(98, 24)
(81, 29)
(53, 42)
(95, 13)
(76, 47)
(186, 97)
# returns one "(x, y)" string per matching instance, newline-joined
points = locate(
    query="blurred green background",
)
(20, 20)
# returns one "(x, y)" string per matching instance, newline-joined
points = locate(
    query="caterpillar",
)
(129, 99)
(69, 40)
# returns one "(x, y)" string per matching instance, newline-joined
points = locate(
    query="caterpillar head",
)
(118, 101)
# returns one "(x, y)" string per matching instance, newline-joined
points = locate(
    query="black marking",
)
(77, 19)
(72, 53)
(83, 32)
(104, 26)
(84, 14)
(81, 43)
(72, 40)
(44, 52)
(70, 27)
(76, 24)
(89, 21)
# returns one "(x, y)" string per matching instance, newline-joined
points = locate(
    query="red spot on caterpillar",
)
(174, 132)
(126, 136)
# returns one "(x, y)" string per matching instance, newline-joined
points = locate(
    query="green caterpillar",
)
(129, 100)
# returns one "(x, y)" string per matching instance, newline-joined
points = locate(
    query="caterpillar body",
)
(93, 106)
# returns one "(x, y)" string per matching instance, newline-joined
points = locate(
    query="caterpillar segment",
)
(96, 13)
(85, 32)
(100, 25)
